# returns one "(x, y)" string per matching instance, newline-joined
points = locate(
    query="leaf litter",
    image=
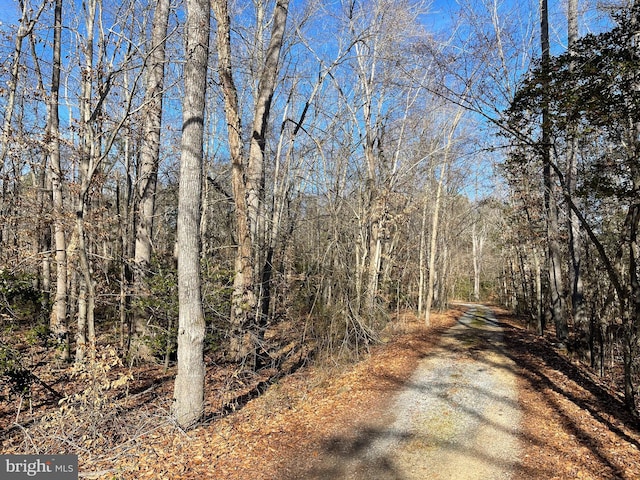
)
(287, 430)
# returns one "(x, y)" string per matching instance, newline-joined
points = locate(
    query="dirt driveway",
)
(456, 418)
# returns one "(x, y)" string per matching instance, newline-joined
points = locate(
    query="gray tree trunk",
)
(149, 159)
(150, 148)
(189, 383)
(632, 327)
(243, 300)
(248, 181)
(578, 312)
(266, 86)
(431, 274)
(86, 300)
(58, 320)
(255, 179)
(421, 253)
(477, 243)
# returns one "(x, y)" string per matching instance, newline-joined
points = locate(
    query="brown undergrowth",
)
(573, 426)
(283, 431)
(138, 440)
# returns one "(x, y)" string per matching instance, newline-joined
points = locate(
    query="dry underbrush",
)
(573, 425)
(101, 406)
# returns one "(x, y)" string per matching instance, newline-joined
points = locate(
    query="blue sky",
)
(8, 11)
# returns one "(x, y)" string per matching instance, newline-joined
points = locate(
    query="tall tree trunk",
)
(266, 86)
(150, 147)
(243, 301)
(372, 223)
(431, 274)
(255, 174)
(477, 244)
(556, 286)
(86, 166)
(149, 160)
(189, 383)
(58, 321)
(632, 328)
(421, 253)
(248, 181)
(578, 312)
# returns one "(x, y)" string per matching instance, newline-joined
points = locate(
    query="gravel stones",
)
(457, 417)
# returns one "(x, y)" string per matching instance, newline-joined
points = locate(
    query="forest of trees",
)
(182, 178)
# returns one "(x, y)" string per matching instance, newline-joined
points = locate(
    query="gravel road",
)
(456, 418)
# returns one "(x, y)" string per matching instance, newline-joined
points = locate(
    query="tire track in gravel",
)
(457, 417)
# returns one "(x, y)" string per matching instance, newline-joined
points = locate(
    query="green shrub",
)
(161, 307)
(18, 297)
(39, 335)
(217, 288)
(18, 378)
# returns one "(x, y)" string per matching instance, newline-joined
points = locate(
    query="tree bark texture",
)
(477, 245)
(248, 182)
(632, 328)
(149, 160)
(255, 175)
(255, 167)
(578, 308)
(431, 274)
(86, 168)
(150, 148)
(243, 301)
(58, 320)
(189, 384)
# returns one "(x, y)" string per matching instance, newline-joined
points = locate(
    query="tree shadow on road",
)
(346, 457)
(357, 455)
(559, 381)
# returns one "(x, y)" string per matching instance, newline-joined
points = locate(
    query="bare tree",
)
(149, 157)
(58, 322)
(442, 179)
(477, 240)
(379, 108)
(244, 296)
(248, 177)
(189, 383)
(88, 153)
(431, 275)
(28, 19)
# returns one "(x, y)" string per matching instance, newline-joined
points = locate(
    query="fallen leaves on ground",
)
(283, 431)
(573, 426)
